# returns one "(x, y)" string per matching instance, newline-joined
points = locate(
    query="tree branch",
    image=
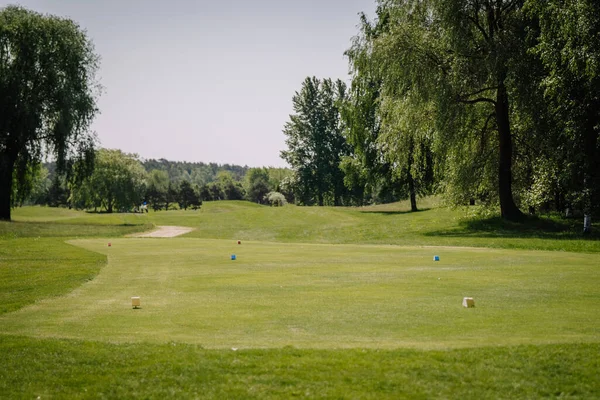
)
(477, 100)
(479, 27)
(509, 6)
(480, 91)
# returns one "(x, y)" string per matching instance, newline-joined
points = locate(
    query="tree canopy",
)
(315, 141)
(48, 95)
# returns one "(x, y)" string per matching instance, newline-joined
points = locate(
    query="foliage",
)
(275, 199)
(231, 188)
(118, 182)
(157, 189)
(198, 173)
(58, 193)
(567, 44)
(257, 184)
(48, 95)
(188, 197)
(368, 174)
(459, 56)
(315, 142)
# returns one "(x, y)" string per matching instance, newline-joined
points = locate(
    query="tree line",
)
(494, 101)
(123, 182)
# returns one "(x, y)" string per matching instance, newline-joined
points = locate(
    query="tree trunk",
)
(7, 164)
(413, 193)
(508, 208)
(411, 180)
(109, 205)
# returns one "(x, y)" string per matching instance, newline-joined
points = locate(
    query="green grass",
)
(322, 296)
(175, 370)
(321, 303)
(31, 270)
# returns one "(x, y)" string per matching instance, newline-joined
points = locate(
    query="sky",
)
(208, 81)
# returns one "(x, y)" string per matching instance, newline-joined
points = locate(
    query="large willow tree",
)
(47, 95)
(457, 59)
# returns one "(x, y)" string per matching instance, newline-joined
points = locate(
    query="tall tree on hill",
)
(315, 141)
(47, 95)
(460, 55)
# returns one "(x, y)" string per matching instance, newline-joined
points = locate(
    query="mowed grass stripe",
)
(322, 296)
(61, 369)
(34, 269)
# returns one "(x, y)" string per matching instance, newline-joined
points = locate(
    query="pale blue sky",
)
(208, 81)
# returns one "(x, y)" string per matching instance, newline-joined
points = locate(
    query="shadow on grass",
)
(396, 212)
(531, 227)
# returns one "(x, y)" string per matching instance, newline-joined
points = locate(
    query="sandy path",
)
(165, 232)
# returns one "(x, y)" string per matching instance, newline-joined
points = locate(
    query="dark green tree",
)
(187, 196)
(315, 142)
(157, 188)
(58, 194)
(170, 195)
(569, 47)
(257, 185)
(47, 95)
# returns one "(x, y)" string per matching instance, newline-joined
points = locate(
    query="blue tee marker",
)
(233, 256)
(436, 258)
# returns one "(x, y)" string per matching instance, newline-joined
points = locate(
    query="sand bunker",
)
(165, 232)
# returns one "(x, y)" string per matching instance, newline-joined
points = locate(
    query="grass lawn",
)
(320, 303)
(322, 296)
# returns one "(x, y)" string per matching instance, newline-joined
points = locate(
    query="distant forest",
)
(123, 182)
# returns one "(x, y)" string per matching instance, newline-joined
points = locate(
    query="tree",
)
(406, 141)
(118, 182)
(390, 130)
(170, 195)
(461, 56)
(315, 141)
(187, 196)
(231, 188)
(569, 49)
(212, 192)
(58, 194)
(366, 171)
(257, 184)
(158, 187)
(47, 95)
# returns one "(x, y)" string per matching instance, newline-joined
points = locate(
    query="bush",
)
(275, 199)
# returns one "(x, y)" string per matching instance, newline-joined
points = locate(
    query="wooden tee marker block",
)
(135, 302)
(468, 302)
